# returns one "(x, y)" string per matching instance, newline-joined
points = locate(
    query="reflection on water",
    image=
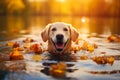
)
(28, 69)
(34, 24)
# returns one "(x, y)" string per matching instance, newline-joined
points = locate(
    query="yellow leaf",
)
(111, 60)
(85, 45)
(90, 48)
(10, 44)
(37, 58)
(61, 65)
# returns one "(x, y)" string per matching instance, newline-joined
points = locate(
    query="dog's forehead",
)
(59, 25)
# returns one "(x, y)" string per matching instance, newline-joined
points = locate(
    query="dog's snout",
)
(59, 36)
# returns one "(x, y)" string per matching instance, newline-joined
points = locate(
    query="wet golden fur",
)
(51, 48)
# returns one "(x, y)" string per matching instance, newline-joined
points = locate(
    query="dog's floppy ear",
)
(45, 33)
(73, 33)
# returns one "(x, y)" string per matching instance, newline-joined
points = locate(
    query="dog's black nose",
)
(59, 36)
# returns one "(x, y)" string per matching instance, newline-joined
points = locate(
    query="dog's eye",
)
(54, 29)
(65, 29)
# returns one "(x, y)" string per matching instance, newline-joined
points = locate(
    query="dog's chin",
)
(59, 45)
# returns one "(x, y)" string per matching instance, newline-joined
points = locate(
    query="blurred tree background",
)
(97, 8)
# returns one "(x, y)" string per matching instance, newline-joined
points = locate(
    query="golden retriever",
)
(59, 36)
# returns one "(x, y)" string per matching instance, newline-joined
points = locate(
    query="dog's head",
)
(59, 33)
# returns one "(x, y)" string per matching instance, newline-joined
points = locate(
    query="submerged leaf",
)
(37, 58)
(58, 70)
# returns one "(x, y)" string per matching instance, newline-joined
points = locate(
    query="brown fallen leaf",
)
(113, 38)
(36, 48)
(83, 57)
(16, 55)
(100, 60)
(15, 45)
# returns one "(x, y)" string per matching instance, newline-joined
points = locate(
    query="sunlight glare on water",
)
(95, 55)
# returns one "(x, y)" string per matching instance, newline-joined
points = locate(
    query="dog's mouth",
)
(59, 45)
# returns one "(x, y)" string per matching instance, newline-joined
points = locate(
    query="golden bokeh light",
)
(109, 1)
(83, 20)
(37, 0)
(60, 0)
(15, 6)
(77, 12)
